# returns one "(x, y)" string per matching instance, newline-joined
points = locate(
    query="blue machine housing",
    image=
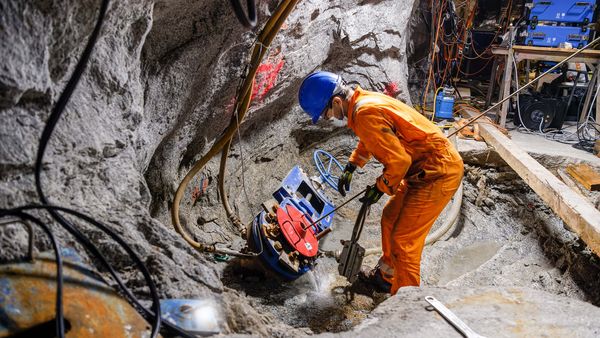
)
(567, 11)
(553, 36)
(295, 190)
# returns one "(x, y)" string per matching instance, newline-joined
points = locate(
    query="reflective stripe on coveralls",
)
(422, 170)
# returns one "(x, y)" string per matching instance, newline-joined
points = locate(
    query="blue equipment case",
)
(297, 191)
(444, 105)
(564, 11)
(552, 36)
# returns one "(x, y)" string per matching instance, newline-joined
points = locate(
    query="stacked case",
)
(557, 21)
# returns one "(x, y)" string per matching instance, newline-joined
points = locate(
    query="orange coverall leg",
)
(407, 218)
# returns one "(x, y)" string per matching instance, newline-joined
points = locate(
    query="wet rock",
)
(491, 312)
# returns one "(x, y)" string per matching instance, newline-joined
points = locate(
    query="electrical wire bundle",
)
(446, 41)
(23, 215)
(451, 41)
(586, 132)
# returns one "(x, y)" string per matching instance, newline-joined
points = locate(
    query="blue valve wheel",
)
(326, 165)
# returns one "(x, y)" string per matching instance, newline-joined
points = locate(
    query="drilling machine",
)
(285, 234)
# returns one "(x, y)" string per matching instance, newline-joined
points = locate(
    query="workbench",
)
(525, 53)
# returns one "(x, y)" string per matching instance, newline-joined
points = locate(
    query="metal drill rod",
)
(525, 86)
(334, 210)
(452, 318)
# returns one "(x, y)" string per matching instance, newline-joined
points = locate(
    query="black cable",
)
(148, 314)
(88, 245)
(66, 94)
(248, 20)
(47, 133)
(53, 119)
(60, 322)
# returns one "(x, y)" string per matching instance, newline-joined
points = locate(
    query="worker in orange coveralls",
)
(422, 169)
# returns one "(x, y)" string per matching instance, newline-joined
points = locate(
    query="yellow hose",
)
(264, 40)
(435, 102)
(233, 218)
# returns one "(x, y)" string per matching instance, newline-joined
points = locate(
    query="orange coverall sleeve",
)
(360, 156)
(379, 139)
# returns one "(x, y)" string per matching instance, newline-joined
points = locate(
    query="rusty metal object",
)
(272, 230)
(323, 233)
(91, 307)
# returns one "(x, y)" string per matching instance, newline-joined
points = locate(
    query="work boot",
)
(374, 278)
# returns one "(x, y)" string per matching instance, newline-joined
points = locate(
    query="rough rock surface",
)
(157, 91)
(490, 312)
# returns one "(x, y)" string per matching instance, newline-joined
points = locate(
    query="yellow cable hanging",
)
(264, 40)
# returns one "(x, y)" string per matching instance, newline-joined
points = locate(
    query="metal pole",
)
(525, 86)
(334, 210)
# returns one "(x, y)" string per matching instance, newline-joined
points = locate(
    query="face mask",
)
(338, 123)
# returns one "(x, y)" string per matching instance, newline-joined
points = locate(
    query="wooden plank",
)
(585, 175)
(568, 180)
(555, 51)
(548, 54)
(559, 52)
(577, 213)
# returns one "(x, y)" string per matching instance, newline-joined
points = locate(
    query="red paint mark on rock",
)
(391, 89)
(266, 78)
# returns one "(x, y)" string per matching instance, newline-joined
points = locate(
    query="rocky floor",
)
(158, 92)
(505, 239)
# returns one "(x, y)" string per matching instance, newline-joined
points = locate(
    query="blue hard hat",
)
(316, 91)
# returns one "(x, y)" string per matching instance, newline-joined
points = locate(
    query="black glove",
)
(346, 178)
(372, 195)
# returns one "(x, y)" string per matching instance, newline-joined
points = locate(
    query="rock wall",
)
(156, 93)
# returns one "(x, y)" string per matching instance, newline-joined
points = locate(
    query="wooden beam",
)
(586, 175)
(548, 54)
(577, 213)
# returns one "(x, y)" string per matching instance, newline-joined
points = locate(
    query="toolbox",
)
(553, 36)
(565, 11)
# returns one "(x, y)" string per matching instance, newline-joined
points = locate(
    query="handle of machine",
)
(352, 254)
(326, 174)
(579, 7)
(336, 209)
(360, 222)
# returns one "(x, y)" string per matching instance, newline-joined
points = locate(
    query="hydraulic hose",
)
(233, 218)
(249, 20)
(264, 40)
